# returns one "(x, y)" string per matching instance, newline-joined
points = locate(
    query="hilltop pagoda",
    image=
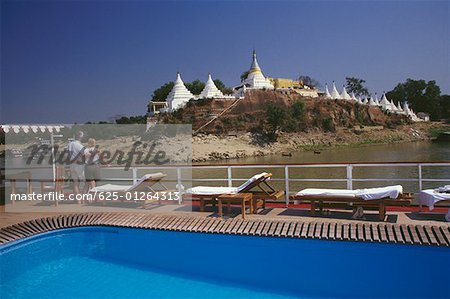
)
(210, 90)
(255, 78)
(334, 93)
(179, 95)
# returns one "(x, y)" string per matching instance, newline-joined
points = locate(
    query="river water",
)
(396, 152)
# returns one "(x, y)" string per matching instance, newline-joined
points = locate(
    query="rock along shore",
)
(212, 147)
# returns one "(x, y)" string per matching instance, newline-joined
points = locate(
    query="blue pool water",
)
(105, 262)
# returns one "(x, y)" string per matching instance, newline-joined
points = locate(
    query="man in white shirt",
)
(76, 152)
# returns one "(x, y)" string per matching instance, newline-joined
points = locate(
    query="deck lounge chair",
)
(147, 183)
(430, 197)
(208, 195)
(370, 197)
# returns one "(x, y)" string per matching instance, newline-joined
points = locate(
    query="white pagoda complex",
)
(210, 90)
(255, 78)
(179, 95)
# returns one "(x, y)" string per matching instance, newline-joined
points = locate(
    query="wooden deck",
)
(433, 235)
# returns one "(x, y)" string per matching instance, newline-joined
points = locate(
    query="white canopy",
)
(31, 128)
(372, 102)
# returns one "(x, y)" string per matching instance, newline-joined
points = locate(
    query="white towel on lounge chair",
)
(365, 194)
(445, 189)
(429, 197)
(125, 188)
(205, 190)
(382, 192)
(336, 193)
(251, 180)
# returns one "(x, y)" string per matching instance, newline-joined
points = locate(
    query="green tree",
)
(161, 93)
(141, 119)
(195, 86)
(298, 108)
(275, 117)
(307, 80)
(244, 75)
(422, 96)
(356, 86)
(445, 106)
(221, 86)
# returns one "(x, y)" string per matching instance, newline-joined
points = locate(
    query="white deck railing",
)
(341, 173)
(287, 178)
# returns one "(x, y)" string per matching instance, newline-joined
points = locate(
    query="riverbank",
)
(212, 147)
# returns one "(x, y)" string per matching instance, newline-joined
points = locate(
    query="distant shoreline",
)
(215, 148)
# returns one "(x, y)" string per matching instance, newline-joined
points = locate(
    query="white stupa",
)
(372, 102)
(406, 108)
(353, 97)
(334, 93)
(393, 107)
(377, 102)
(179, 95)
(255, 78)
(385, 104)
(399, 107)
(210, 90)
(327, 92)
(365, 101)
(345, 95)
(358, 99)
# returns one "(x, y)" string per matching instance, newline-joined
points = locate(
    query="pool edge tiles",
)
(358, 232)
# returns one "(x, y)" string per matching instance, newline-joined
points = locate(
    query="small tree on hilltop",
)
(195, 86)
(422, 96)
(307, 80)
(161, 93)
(356, 86)
(244, 75)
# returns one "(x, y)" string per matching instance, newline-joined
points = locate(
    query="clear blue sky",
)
(65, 62)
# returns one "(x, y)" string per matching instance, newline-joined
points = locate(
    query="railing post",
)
(420, 176)
(135, 178)
(229, 175)
(179, 186)
(349, 176)
(286, 182)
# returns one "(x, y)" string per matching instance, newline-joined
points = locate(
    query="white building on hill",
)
(179, 95)
(210, 90)
(334, 93)
(255, 78)
(345, 95)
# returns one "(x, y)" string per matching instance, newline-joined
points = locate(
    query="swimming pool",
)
(111, 262)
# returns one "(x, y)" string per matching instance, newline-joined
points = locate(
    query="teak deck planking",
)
(355, 232)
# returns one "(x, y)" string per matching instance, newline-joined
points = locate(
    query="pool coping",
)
(425, 235)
